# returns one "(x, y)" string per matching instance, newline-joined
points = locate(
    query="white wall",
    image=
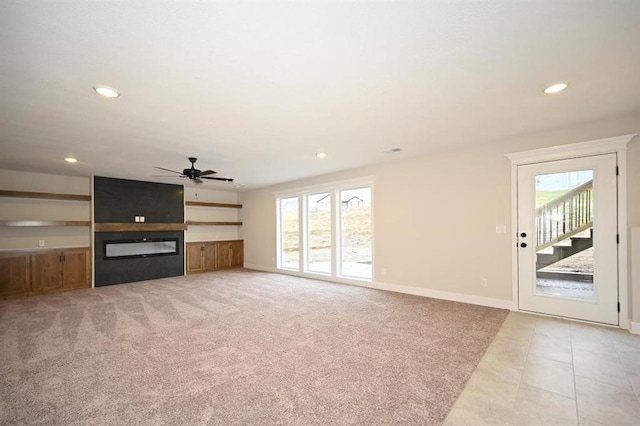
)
(435, 216)
(38, 209)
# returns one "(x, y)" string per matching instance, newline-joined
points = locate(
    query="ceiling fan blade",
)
(164, 176)
(218, 178)
(197, 180)
(208, 172)
(167, 170)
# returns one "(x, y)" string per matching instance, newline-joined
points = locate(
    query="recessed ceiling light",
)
(107, 92)
(70, 160)
(555, 88)
(321, 155)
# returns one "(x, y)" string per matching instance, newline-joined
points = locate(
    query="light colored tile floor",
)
(547, 371)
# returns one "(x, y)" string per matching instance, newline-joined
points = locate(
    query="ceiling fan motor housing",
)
(191, 173)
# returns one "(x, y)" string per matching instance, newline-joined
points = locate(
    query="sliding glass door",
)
(318, 241)
(356, 233)
(289, 221)
(328, 232)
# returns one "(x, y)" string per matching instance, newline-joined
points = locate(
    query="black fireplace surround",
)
(126, 269)
(129, 256)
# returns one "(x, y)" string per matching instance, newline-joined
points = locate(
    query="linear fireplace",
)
(142, 247)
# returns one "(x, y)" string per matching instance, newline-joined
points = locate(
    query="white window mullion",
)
(335, 247)
(302, 206)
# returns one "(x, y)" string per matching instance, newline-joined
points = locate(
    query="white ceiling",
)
(254, 90)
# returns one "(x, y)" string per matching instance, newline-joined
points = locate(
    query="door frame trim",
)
(614, 145)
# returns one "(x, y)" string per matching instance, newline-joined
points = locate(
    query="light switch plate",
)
(501, 229)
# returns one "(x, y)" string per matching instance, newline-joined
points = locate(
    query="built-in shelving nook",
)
(45, 217)
(212, 236)
(211, 215)
(44, 196)
(45, 233)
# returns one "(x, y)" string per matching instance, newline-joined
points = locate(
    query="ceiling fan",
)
(195, 174)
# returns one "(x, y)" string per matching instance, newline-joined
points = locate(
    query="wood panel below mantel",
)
(132, 227)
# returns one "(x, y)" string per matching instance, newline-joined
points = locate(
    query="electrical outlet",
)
(40, 243)
(141, 218)
(484, 282)
(501, 229)
(383, 271)
(137, 219)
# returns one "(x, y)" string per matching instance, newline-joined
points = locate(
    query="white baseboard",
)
(260, 268)
(634, 327)
(416, 291)
(444, 295)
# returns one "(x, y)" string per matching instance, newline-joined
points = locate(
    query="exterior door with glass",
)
(567, 238)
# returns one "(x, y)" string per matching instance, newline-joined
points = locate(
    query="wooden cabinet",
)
(29, 273)
(76, 268)
(201, 257)
(15, 274)
(46, 270)
(213, 255)
(230, 254)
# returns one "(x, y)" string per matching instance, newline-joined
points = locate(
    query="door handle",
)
(524, 234)
(523, 245)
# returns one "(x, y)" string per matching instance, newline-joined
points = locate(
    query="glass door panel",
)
(289, 233)
(356, 233)
(564, 234)
(319, 233)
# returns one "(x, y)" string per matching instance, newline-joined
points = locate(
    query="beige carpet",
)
(237, 347)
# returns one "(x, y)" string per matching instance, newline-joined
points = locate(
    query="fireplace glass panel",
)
(140, 248)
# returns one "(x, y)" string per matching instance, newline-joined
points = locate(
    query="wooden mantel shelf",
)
(198, 222)
(45, 223)
(136, 226)
(205, 204)
(44, 195)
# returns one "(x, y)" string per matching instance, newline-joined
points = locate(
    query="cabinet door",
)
(76, 268)
(224, 255)
(14, 274)
(210, 256)
(237, 255)
(195, 261)
(230, 254)
(46, 271)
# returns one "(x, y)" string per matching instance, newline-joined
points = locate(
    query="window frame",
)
(334, 189)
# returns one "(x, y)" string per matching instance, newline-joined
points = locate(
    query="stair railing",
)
(565, 216)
